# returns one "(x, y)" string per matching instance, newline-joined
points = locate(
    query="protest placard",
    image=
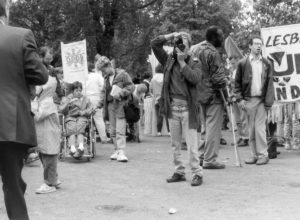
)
(74, 59)
(282, 46)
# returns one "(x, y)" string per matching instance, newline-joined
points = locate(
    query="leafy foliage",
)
(120, 29)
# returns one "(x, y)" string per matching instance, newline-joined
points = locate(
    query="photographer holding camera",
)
(181, 74)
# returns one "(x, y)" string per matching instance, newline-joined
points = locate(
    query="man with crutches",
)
(213, 79)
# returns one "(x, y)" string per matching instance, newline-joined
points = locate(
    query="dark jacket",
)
(191, 74)
(243, 81)
(20, 66)
(123, 80)
(213, 76)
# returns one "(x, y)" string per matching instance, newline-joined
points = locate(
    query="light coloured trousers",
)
(50, 168)
(100, 125)
(213, 119)
(257, 116)
(179, 124)
(117, 123)
(241, 121)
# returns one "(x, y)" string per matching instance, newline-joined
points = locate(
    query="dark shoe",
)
(262, 161)
(213, 165)
(201, 162)
(243, 143)
(251, 160)
(80, 152)
(176, 178)
(197, 180)
(223, 141)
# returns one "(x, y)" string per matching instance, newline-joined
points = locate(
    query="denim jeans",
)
(117, 123)
(100, 125)
(179, 124)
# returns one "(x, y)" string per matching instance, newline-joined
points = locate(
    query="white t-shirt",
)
(93, 87)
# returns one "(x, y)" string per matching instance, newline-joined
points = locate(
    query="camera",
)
(178, 44)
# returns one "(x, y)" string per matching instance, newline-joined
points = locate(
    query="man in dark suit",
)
(20, 67)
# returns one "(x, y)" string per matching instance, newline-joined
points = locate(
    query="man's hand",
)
(100, 105)
(242, 104)
(117, 97)
(180, 58)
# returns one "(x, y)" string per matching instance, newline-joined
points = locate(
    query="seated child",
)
(77, 107)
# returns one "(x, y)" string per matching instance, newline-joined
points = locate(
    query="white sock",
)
(73, 149)
(81, 147)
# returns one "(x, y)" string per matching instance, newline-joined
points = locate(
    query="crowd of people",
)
(190, 91)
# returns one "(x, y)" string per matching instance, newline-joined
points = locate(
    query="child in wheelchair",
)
(77, 108)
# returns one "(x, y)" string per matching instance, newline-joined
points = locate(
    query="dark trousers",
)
(50, 168)
(11, 164)
(160, 119)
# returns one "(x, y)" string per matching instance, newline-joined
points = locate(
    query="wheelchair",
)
(89, 143)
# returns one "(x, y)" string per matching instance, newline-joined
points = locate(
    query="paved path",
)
(137, 190)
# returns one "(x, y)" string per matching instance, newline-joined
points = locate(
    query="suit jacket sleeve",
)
(270, 93)
(35, 72)
(238, 83)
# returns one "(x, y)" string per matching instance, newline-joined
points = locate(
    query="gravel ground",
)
(104, 189)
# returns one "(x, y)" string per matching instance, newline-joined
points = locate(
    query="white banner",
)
(282, 45)
(74, 60)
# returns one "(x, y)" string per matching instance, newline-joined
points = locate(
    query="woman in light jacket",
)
(48, 134)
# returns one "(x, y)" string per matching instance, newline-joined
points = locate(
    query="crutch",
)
(237, 155)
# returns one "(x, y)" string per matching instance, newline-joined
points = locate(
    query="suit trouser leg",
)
(260, 131)
(257, 117)
(11, 164)
(213, 116)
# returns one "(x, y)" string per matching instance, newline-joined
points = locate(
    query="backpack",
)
(132, 111)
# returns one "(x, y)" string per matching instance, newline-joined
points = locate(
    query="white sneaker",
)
(114, 156)
(121, 157)
(45, 189)
(159, 134)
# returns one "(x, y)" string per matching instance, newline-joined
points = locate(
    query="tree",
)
(263, 14)
(197, 16)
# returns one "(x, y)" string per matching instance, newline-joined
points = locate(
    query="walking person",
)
(48, 134)
(116, 92)
(254, 91)
(212, 84)
(20, 67)
(93, 87)
(156, 85)
(177, 102)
